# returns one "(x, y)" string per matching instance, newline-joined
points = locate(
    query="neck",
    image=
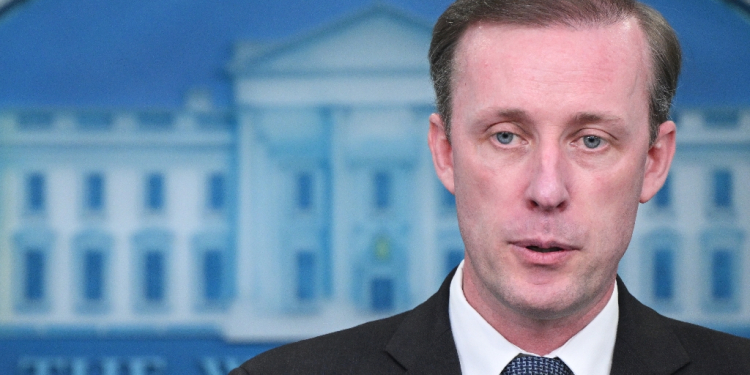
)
(534, 335)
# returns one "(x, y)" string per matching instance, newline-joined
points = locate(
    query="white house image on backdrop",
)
(311, 205)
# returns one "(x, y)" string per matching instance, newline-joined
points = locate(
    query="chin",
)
(554, 310)
(548, 301)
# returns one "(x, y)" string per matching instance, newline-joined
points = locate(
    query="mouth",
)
(544, 253)
(539, 249)
(544, 246)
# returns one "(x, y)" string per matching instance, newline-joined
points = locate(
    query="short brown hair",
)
(664, 47)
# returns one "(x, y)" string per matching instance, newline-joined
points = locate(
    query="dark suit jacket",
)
(420, 342)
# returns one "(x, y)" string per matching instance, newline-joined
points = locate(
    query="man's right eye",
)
(505, 138)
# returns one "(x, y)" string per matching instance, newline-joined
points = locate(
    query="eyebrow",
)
(585, 118)
(518, 115)
(514, 115)
(581, 118)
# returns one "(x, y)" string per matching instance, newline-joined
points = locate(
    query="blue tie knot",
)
(533, 365)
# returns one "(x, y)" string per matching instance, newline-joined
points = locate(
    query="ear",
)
(442, 151)
(658, 160)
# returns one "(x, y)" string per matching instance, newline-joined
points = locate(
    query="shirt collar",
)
(483, 351)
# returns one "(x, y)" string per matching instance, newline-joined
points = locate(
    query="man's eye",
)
(505, 137)
(592, 141)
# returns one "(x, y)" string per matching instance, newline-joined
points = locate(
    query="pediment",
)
(378, 40)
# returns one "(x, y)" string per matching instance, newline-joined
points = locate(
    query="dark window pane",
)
(305, 276)
(722, 285)
(217, 184)
(34, 285)
(212, 275)
(93, 271)
(154, 274)
(382, 190)
(155, 121)
(723, 189)
(452, 259)
(664, 197)
(35, 192)
(95, 192)
(155, 192)
(381, 290)
(35, 120)
(663, 274)
(215, 120)
(94, 121)
(304, 191)
(722, 117)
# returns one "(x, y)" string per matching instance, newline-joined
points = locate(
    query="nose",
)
(547, 190)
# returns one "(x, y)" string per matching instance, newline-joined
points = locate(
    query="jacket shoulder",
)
(355, 350)
(419, 339)
(711, 350)
(648, 342)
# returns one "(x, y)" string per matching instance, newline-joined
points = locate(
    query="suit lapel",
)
(644, 344)
(423, 343)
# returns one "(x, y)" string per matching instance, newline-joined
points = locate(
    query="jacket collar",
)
(644, 344)
(423, 343)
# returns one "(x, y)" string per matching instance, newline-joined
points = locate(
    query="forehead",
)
(603, 54)
(626, 36)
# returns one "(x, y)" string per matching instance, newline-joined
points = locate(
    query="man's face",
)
(549, 157)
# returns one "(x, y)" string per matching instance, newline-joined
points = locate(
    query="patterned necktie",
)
(533, 365)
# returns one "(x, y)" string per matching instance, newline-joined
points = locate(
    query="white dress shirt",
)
(484, 351)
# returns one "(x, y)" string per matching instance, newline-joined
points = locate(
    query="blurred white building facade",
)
(105, 216)
(689, 254)
(310, 206)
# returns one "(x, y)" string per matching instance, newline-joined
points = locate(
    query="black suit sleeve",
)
(239, 371)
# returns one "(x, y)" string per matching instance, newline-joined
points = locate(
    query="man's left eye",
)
(591, 141)
(505, 137)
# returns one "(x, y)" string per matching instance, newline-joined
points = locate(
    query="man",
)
(551, 128)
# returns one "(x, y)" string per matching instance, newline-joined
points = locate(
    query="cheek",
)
(482, 201)
(619, 182)
(610, 204)
(484, 189)
(611, 195)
